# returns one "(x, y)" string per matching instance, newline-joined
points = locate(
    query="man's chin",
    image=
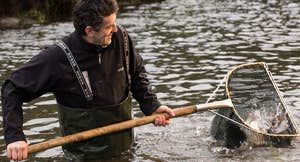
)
(106, 44)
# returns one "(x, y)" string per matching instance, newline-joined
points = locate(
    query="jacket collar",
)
(87, 46)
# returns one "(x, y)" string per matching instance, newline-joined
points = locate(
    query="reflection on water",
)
(188, 47)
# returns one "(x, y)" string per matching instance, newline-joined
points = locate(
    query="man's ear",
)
(89, 31)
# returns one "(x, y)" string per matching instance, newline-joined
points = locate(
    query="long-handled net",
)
(258, 111)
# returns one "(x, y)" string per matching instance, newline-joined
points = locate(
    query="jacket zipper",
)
(100, 59)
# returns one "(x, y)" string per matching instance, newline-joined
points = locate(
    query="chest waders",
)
(77, 120)
(73, 120)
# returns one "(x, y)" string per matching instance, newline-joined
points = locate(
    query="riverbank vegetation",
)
(22, 14)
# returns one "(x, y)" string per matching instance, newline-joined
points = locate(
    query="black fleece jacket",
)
(50, 71)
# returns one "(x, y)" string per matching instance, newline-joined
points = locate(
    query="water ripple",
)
(188, 47)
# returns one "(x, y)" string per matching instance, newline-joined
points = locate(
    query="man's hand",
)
(161, 120)
(17, 150)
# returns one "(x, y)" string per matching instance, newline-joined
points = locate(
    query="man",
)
(91, 83)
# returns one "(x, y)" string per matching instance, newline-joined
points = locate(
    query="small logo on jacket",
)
(120, 69)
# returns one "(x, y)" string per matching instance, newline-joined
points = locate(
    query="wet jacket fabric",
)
(50, 71)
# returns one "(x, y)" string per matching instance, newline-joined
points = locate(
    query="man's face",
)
(104, 35)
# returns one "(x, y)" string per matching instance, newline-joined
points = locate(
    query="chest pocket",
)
(83, 84)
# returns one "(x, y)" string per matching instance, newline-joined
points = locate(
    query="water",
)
(188, 47)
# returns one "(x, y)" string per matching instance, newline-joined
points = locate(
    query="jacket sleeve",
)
(140, 86)
(25, 84)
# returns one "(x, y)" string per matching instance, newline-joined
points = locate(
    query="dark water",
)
(188, 47)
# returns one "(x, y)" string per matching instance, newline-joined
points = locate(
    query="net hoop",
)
(259, 134)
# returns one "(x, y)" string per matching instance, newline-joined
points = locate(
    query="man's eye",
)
(110, 26)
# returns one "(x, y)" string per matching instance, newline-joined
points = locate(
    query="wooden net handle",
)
(123, 126)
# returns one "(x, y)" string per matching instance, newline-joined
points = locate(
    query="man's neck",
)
(87, 39)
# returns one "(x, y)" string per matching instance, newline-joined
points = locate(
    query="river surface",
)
(188, 47)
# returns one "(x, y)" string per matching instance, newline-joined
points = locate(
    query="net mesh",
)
(258, 105)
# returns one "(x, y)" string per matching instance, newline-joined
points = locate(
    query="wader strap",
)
(87, 92)
(126, 51)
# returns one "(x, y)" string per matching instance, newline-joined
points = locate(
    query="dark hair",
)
(91, 13)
